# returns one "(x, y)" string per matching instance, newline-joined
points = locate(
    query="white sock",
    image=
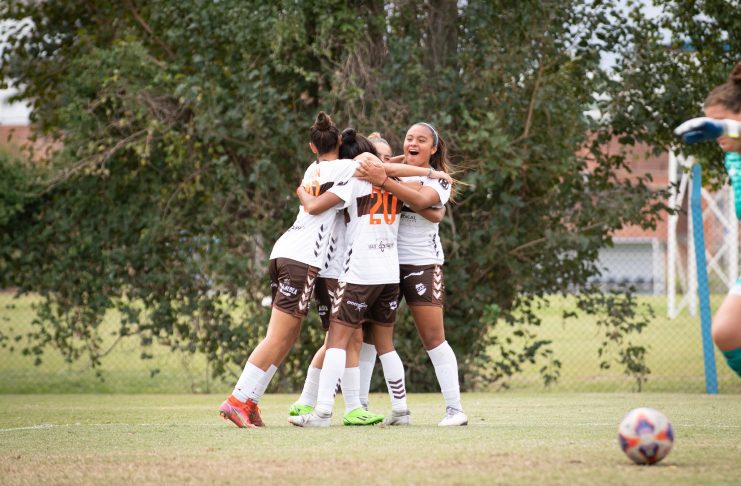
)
(311, 387)
(366, 365)
(393, 372)
(351, 388)
(332, 370)
(259, 390)
(250, 379)
(446, 369)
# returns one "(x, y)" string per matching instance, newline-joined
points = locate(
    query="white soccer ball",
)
(646, 435)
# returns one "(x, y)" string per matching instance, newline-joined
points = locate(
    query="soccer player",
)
(356, 412)
(722, 122)
(421, 258)
(294, 265)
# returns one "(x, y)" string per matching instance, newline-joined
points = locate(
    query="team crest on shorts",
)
(421, 289)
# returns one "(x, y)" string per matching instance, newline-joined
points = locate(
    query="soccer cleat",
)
(243, 415)
(453, 416)
(310, 420)
(398, 417)
(299, 409)
(360, 416)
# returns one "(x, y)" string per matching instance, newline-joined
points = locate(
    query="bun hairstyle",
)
(324, 134)
(728, 94)
(354, 144)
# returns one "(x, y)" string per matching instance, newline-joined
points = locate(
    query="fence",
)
(659, 265)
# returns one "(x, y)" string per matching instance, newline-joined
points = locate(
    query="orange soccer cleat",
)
(243, 415)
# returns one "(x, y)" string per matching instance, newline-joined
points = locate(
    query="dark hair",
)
(728, 94)
(354, 144)
(324, 133)
(438, 160)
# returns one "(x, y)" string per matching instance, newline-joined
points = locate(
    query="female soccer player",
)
(722, 122)
(294, 265)
(356, 413)
(421, 258)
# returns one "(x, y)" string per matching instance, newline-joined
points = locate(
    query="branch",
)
(147, 28)
(92, 160)
(531, 108)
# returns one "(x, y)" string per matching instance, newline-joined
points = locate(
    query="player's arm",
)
(317, 204)
(434, 215)
(393, 169)
(416, 198)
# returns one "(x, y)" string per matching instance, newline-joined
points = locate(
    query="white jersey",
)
(370, 257)
(306, 241)
(332, 266)
(419, 241)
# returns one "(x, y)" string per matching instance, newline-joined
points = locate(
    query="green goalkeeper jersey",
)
(733, 166)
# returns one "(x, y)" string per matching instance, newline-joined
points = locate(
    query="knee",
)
(726, 333)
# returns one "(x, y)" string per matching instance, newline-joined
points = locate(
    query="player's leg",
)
(241, 406)
(323, 292)
(726, 329)
(424, 290)
(338, 338)
(355, 413)
(366, 363)
(296, 283)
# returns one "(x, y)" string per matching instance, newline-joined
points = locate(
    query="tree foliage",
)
(184, 128)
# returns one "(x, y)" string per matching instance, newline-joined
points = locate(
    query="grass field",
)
(512, 438)
(674, 357)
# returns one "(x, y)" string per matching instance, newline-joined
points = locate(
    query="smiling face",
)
(419, 145)
(720, 112)
(383, 149)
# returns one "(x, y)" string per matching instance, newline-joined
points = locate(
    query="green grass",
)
(513, 438)
(674, 357)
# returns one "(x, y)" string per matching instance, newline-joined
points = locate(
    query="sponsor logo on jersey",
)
(413, 274)
(322, 309)
(393, 305)
(421, 289)
(382, 245)
(444, 183)
(286, 289)
(358, 305)
(296, 227)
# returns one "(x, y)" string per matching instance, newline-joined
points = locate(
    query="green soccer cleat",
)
(299, 409)
(360, 416)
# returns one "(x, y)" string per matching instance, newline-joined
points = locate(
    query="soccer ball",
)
(646, 435)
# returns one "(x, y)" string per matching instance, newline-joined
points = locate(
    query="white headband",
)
(434, 132)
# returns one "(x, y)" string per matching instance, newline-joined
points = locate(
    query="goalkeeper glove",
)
(703, 129)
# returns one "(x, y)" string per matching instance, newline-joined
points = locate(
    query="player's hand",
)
(703, 129)
(438, 174)
(373, 173)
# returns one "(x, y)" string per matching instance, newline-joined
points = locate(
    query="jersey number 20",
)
(386, 200)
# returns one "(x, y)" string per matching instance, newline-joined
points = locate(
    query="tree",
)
(184, 129)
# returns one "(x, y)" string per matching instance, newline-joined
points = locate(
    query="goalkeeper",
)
(723, 123)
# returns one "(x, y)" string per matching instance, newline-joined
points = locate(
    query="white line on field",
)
(57, 426)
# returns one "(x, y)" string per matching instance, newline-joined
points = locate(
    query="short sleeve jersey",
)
(419, 240)
(370, 256)
(336, 248)
(307, 240)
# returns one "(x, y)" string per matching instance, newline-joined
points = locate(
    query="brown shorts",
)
(291, 284)
(422, 284)
(324, 293)
(356, 303)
